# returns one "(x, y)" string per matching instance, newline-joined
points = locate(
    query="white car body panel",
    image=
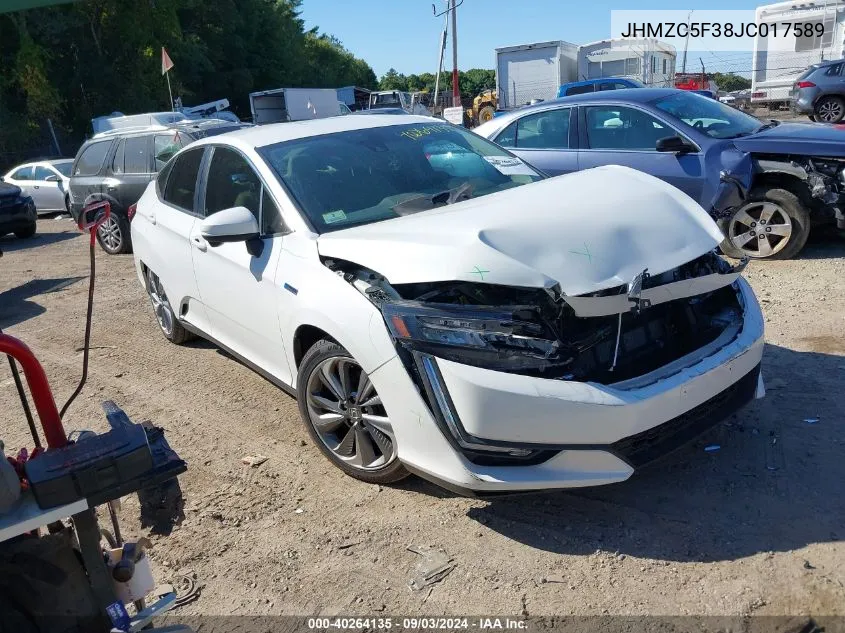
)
(537, 236)
(529, 236)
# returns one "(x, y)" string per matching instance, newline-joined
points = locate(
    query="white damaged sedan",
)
(438, 307)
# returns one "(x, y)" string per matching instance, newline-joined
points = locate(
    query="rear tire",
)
(344, 416)
(114, 234)
(163, 312)
(830, 109)
(782, 233)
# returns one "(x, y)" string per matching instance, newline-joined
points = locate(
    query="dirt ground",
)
(755, 527)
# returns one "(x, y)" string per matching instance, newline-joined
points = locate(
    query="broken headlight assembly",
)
(501, 339)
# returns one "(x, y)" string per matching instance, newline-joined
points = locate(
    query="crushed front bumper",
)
(570, 433)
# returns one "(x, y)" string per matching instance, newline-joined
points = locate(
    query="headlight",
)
(512, 339)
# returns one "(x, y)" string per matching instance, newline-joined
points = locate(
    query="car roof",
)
(189, 126)
(827, 62)
(271, 133)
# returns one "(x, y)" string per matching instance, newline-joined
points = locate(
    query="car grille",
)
(643, 448)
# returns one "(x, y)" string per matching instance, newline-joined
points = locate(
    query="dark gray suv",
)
(117, 166)
(819, 92)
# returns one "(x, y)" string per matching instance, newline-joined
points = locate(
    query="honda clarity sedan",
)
(438, 307)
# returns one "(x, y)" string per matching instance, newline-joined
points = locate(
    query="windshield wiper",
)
(426, 202)
(767, 126)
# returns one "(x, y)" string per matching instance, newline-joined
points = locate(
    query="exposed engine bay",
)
(537, 332)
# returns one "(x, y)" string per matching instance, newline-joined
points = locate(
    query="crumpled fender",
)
(734, 183)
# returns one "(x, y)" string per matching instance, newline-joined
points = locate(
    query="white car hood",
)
(586, 231)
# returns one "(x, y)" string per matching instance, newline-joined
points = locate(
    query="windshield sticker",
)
(416, 133)
(334, 216)
(510, 166)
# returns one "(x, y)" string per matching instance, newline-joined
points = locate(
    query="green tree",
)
(75, 61)
(730, 81)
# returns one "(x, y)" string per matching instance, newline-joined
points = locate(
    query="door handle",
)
(35, 186)
(152, 218)
(199, 243)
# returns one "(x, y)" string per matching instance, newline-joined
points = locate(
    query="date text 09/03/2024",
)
(383, 623)
(723, 29)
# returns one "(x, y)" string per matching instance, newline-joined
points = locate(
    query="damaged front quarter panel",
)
(824, 179)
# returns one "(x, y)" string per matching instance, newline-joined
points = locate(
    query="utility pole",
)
(456, 93)
(686, 45)
(442, 52)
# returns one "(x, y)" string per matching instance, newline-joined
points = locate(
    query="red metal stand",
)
(48, 414)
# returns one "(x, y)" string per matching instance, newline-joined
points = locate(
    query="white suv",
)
(438, 306)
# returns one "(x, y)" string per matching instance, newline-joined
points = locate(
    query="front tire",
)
(345, 417)
(114, 234)
(772, 224)
(28, 232)
(163, 311)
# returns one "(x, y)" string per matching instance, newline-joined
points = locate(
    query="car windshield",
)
(708, 116)
(63, 168)
(362, 176)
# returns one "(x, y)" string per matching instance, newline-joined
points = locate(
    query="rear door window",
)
(24, 173)
(137, 155)
(834, 71)
(181, 180)
(544, 130)
(92, 158)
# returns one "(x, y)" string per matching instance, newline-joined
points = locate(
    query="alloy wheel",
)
(760, 229)
(348, 415)
(110, 234)
(161, 306)
(830, 111)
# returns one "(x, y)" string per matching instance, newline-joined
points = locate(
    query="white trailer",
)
(293, 104)
(536, 71)
(778, 61)
(533, 71)
(647, 60)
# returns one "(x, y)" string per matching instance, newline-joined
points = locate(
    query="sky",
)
(404, 34)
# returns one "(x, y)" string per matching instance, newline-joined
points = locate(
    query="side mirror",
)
(229, 225)
(674, 144)
(53, 178)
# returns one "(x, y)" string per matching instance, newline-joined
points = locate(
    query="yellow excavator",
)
(483, 107)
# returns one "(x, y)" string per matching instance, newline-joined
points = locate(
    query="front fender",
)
(312, 295)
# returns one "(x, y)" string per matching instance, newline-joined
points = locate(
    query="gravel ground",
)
(755, 527)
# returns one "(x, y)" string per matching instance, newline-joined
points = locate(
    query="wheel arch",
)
(782, 175)
(304, 339)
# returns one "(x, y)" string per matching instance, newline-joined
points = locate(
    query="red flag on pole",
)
(166, 62)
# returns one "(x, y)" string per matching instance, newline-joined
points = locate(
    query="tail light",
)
(130, 212)
(758, 95)
(805, 84)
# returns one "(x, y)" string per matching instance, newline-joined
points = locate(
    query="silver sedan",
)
(47, 181)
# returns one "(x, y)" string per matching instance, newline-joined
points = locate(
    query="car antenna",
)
(90, 219)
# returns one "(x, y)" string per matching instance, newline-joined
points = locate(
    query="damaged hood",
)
(586, 231)
(810, 139)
